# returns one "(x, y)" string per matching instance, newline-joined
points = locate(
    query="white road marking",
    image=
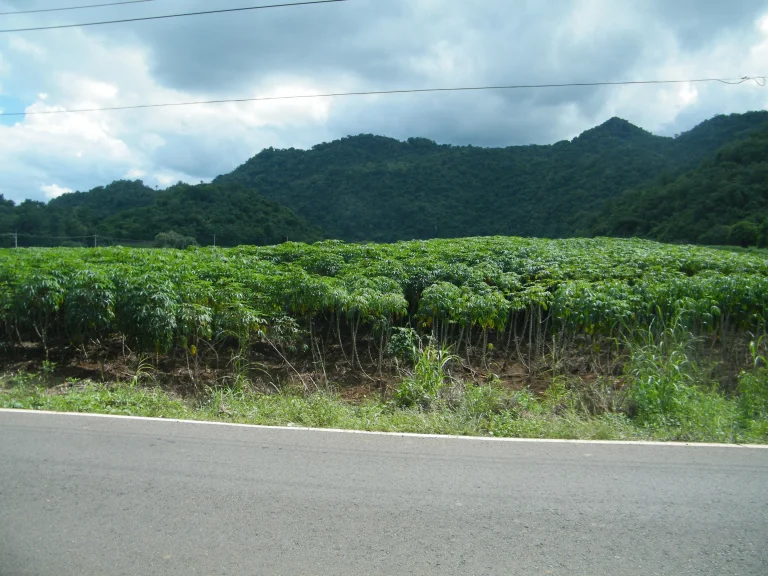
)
(400, 434)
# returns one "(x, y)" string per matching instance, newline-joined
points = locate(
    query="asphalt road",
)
(100, 496)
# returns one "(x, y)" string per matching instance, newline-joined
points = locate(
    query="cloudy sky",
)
(358, 45)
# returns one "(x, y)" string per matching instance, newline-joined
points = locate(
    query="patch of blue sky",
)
(10, 103)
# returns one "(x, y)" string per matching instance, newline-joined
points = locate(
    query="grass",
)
(319, 410)
(478, 411)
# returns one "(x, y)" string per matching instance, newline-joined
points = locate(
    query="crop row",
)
(160, 300)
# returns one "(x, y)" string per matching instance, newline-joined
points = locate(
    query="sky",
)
(357, 45)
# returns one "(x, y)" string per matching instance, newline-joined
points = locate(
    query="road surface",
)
(84, 495)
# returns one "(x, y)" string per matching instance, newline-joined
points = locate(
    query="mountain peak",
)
(614, 127)
(616, 121)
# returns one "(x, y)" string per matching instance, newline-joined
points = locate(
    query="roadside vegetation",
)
(665, 403)
(603, 339)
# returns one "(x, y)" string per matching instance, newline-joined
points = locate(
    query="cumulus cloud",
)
(54, 190)
(358, 45)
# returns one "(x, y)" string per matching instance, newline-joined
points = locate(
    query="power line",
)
(760, 80)
(144, 18)
(75, 7)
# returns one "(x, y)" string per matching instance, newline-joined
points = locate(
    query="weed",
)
(124, 399)
(663, 373)
(144, 370)
(603, 395)
(753, 396)
(422, 388)
(671, 398)
(755, 349)
(484, 401)
(48, 369)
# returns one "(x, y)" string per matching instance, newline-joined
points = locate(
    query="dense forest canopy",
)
(132, 212)
(707, 185)
(375, 188)
(722, 201)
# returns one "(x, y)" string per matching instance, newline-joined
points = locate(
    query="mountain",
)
(105, 201)
(130, 212)
(235, 214)
(722, 201)
(705, 185)
(375, 188)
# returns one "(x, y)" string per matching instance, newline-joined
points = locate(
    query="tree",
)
(763, 240)
(719, 235)
(744, 234)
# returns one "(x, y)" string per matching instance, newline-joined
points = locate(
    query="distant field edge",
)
(393, 434)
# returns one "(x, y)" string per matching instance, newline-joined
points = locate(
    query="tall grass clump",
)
(672, 392)
(425, 385)
(753, 392)
(664, 373)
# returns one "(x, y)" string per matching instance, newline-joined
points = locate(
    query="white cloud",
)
(160, 145)
(762, 24)
(54, 190)
(135, 174)
(23, 46)
(98, 91)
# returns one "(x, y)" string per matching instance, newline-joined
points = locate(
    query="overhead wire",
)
(759, 80)
(85, 7)
(166, 16)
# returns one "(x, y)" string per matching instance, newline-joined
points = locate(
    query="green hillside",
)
(375, 188)
(722, 201)
(131, 211)
(236, 215)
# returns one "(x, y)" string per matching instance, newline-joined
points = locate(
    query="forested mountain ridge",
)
(235, 214)
(130, 211)
(375, 188)
(614, 179)
(722, 201)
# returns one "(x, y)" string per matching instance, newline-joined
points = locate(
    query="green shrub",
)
(402, 343)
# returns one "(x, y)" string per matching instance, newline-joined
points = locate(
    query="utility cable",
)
(39, 10)
(166, 16)
(760, 80)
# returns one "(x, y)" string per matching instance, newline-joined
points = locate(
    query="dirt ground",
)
(113, 362)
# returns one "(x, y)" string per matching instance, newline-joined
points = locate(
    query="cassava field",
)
(597, 338)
